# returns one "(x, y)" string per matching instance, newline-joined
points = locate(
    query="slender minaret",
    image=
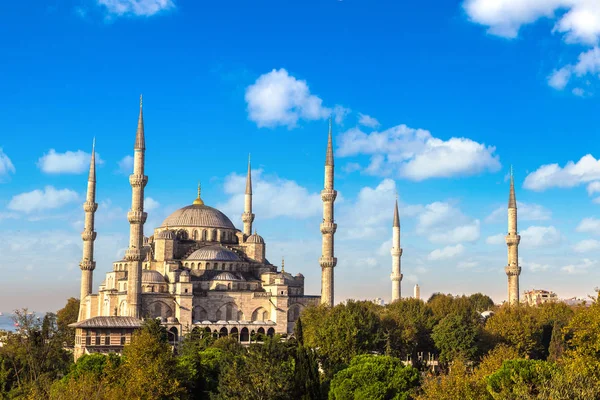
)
(247, 216)
(417, 292)
(512, 241)
(136, 217)
(88, 235)
(396, 254)
(328, 228)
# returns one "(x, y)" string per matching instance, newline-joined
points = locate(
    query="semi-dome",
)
(198, 215)
(167, 234)
(226, 276)
(213, 253)
(151, 276)
(255, 238)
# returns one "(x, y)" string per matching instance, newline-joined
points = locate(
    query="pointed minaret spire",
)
(199, 200)
(140, 141)
(512, 241)
(396, 252)
(137, 217)
(328, 227)
(247, 216)
(88, 235)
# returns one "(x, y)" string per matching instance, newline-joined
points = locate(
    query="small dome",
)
(255, 238)
(213, 253)
(166, 234)
(150, 276)
(226, 276)
(198, 215)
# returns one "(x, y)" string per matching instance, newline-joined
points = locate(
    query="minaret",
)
(247, 216)
(88, 235)
(328, 228)
(136, 217)
(396, 254)
(417, 292)
(512, 241)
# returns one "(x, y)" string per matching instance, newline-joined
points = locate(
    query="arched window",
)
(204, 235)
(219, 315)
(207, 265)
(193, 265)
(260, 314)
(240, 316)
(200, 314)
(265, 316)
(195, 235)
(228, 310)
(214, 235)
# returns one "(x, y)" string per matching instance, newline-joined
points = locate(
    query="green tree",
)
(457, 337)
(517, 327)
(375, 378)
(65, 316)
(481, 302)
(520, 379)
(457, 384)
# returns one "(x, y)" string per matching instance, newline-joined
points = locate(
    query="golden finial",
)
(198, 200)
(282, 264)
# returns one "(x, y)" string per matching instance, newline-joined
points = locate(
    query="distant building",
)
(535, 297)
(379, 301)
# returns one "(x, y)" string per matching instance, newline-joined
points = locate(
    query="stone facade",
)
(196, 271)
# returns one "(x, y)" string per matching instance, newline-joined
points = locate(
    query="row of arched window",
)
(216, 266)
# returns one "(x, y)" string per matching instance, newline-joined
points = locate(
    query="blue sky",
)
(432, 99)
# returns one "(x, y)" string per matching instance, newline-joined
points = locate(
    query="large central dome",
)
(198, 215)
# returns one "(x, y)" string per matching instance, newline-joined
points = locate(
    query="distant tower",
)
(512, 241)
(136, 216)
(247, 216)
(328, 228)
(417, 292)
(396, 254)
(88, 235)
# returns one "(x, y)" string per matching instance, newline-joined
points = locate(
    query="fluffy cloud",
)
(587, 169)
(446, 252)
(126, 165)
(272, 197)
(139, 8)
(586, 245)
(527, 212)
(277, 98)
(150, 204)
(417, 155)
(589, 225)
(579, 268)
(580, 23)
(443, 223)
(368, 121)
(495, 239)
(540, 236)
(577, 20)
(39, 200)
(6, 166)
(69, 162)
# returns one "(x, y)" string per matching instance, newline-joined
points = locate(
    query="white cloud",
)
(588, 63)
(589, 225)
(443, 223)
(6, 166)
(139, 8)
(559, 78)
(580, 268)
(340, 113)
(126, 165)
(417, 155)
(277, 98)
(579, 92)
(69, 162)
(467, 264)
(38, 200)
(586, 245)
(351, 167)
(526, 211)
(446, 252)
(540, 236)
(495, 239)
(150, 204)
(587, 169)
(368, 121)
(593, 187)
(272, 197)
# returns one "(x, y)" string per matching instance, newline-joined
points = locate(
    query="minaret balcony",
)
(247, 217)
(328, 227)
(138, 180)
(513, 239)
(396, 277)
(328, 195)
(134, 255)
(396, 251)
(137, 217)
(512, 270)
(90, 206)
(88, 235)
(328, 262)
(87, 265)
